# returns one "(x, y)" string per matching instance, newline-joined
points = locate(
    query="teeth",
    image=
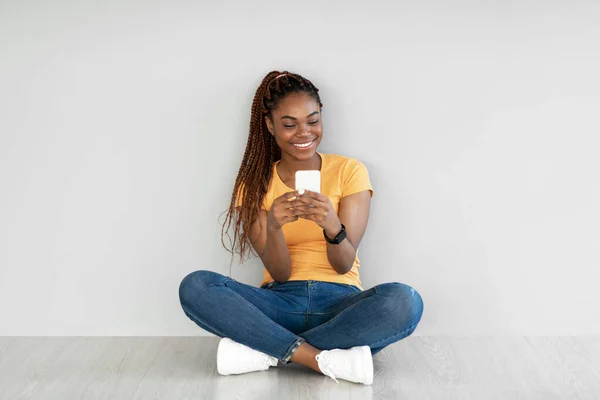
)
(303, 145)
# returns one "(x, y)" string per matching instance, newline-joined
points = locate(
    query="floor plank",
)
(423, 367)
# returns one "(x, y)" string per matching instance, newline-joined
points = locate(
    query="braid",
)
(262, 151)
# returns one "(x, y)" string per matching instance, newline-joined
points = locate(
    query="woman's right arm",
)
(267, 238)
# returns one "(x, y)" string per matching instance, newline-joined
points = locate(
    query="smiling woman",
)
(297, 136)
(310, 307)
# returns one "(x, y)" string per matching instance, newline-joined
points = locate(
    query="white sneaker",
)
(235, 358)
(354, 364)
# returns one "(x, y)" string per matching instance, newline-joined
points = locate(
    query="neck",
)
(291, 165)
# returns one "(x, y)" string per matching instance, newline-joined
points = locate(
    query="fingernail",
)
(301, 191)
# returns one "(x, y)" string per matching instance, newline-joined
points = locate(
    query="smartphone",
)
(309, 180)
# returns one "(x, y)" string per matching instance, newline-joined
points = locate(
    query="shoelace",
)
(326, 366)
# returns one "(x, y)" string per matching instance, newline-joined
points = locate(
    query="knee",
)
(194, 284)
(404, 302)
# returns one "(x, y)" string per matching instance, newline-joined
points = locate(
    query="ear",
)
(269, 125)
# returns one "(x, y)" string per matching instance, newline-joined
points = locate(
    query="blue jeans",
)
(278, 317)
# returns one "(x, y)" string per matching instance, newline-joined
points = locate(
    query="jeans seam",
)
(269, 304)
(306, 316)
(337, 316)
(337, 309)
(254, 310)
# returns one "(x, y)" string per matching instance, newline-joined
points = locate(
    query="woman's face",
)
(297, 126)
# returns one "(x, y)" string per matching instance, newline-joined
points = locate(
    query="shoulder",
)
(342, 163)
(350, 174)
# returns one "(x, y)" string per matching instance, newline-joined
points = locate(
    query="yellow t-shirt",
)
(340, 177)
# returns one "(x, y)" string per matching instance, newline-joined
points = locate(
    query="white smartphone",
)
(309, 180)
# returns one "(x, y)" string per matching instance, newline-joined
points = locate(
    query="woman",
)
(310, 308)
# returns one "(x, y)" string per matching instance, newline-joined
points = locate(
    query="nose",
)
(304, 130)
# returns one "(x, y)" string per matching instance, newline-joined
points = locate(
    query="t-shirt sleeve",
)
(355, 178)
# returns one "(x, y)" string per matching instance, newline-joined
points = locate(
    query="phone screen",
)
(309, 180)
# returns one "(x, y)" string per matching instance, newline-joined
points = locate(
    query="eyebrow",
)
(309, 115)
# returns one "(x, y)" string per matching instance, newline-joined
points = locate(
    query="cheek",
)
(282, 138)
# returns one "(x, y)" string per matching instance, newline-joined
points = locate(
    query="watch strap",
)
(338, 238)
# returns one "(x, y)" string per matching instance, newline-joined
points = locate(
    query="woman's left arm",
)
(353, 212)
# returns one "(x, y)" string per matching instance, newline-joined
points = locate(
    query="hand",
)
(316, 207)
(281, 211)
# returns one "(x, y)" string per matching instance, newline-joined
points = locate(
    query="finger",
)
(294, 203)
(310, 217)
(316, 199)
(302, 210)
(289, 196)
(284, 198)
(299, 202)
(310, 202)
(307, 200)
(316, 217)
(293, 211)
(316, 196)
(291, 218)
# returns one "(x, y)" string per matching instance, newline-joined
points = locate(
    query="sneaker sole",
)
(219, 355)
(368, 358)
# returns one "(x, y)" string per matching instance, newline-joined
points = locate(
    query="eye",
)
(310, 123)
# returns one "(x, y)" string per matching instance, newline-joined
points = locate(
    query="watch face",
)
(341, 236)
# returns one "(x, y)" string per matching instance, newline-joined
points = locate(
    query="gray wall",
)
(122, 127)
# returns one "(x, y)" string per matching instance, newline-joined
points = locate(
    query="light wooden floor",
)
(182, 368)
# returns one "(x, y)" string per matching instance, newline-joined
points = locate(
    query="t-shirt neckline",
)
(278, 178)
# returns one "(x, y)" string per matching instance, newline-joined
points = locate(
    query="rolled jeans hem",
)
(288, 354)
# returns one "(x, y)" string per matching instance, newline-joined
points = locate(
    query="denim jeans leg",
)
(376, 317)
(225, 308)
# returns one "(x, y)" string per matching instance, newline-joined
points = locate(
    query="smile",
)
(303, 146)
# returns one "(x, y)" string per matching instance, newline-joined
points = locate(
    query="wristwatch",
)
(338, 239)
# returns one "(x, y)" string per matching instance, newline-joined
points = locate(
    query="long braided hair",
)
(261, 154)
